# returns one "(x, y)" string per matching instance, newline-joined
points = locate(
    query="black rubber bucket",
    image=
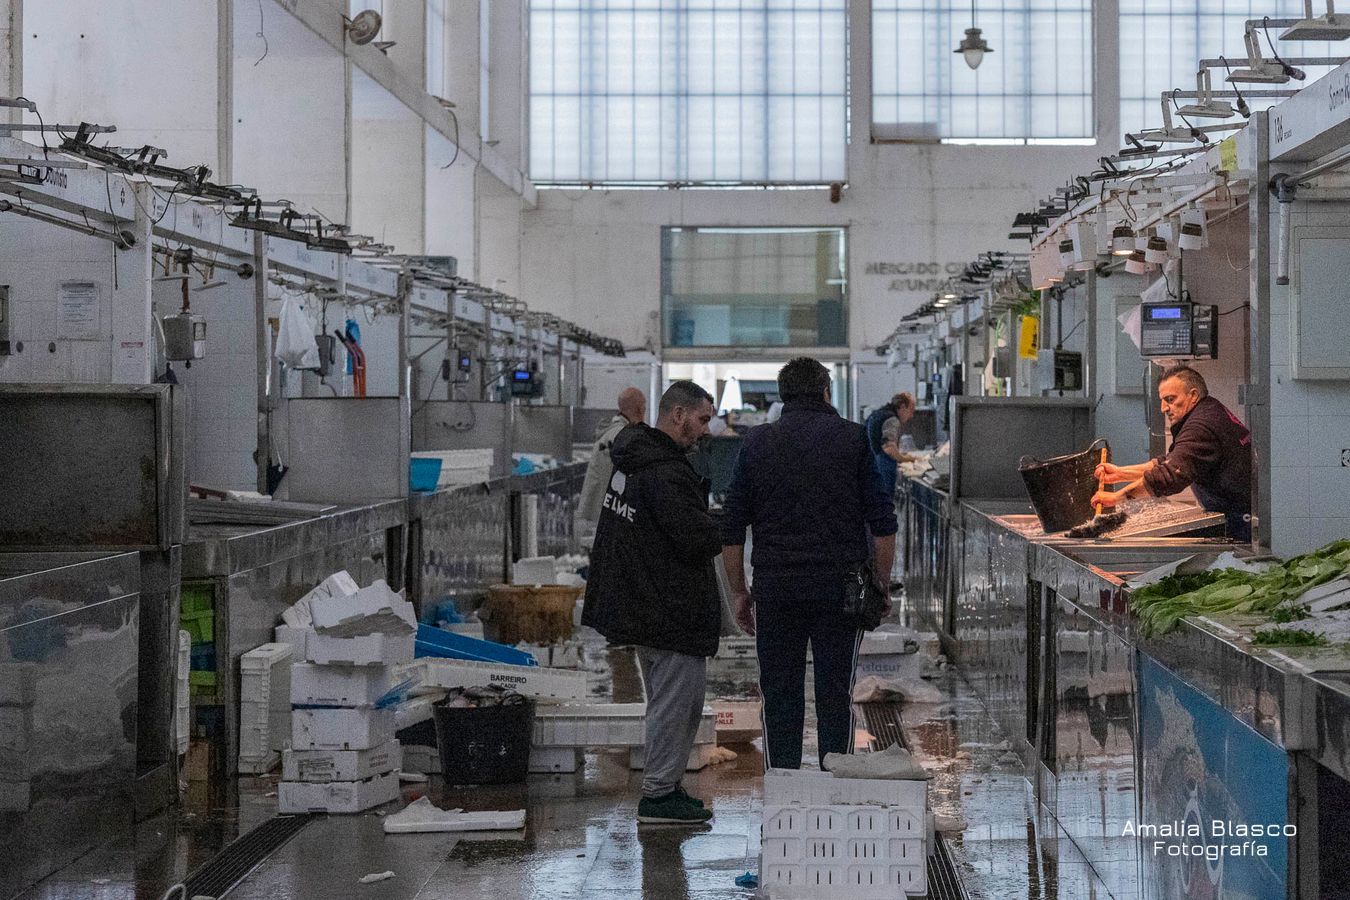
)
(1061, 489)
(485, 744)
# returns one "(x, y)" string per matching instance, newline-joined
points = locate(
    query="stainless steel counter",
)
(1114, 726)
(68, 708)
(254, 573)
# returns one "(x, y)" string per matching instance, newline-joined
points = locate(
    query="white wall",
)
(388, 191)
(1310, 424)
(148, 67)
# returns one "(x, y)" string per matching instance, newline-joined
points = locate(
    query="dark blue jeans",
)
(783, 627)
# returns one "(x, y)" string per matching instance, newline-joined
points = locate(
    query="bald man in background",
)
(632, 409)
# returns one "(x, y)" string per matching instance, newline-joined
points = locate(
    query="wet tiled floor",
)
(582, 839)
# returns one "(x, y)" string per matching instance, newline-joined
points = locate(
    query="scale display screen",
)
(1178, 330)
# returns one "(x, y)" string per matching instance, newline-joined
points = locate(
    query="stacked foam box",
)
(859, 838)
(264, 707)
(343, 756)
(705, 741)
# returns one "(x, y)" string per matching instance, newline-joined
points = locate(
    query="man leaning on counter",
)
(1211, 453)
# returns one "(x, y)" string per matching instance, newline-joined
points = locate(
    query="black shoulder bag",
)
(864, 603)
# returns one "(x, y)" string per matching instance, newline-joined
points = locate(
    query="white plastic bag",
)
(296, 347)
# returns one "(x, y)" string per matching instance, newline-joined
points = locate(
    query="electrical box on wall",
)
(184, 337)
(1060, 370)
(1178, 330)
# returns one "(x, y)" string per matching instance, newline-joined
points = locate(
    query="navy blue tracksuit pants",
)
(783, 627)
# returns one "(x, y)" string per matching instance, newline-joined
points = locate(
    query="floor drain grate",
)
(943, 882)
(229, 867)
(883, 723)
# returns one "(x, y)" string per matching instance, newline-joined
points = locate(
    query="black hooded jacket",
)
(652, 582)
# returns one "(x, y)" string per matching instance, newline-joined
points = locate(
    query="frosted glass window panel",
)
(1162, 42)
(1037, 84)
(714, 91)
(754, 287)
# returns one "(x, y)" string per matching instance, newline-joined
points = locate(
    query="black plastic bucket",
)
(1061, 489)
(484, 744)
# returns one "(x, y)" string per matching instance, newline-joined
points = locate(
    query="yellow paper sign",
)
(1029, 337)
(1228, 154)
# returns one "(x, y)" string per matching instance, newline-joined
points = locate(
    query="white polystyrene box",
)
(737, 715)
(420, 758)
(293, 635)
(337, 796)
(340, 765)
(337, 685)
(546, 760)
(372, 610)
(536, 682)
(341, 729)
(367, 650)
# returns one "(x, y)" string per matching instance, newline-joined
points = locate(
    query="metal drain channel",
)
(943, 882)
(232, 865)
(884, 724)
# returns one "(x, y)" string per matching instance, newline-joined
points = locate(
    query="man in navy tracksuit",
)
(808, 487)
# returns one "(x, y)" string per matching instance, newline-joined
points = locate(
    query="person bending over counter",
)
(1211, 454)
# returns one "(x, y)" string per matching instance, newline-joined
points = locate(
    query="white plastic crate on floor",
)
(858, 838)
(264, 704)
(589, 725)
(552, 760)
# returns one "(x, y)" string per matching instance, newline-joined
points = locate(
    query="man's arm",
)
(883, 559)
(733, 561)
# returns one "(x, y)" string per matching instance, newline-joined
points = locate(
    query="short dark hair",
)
(684, 394)
(803, 378)
(1187, 376)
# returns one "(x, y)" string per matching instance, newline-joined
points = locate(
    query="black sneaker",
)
(680, 792)
(672, 809)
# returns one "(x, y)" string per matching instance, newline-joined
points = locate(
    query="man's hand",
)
(1107, 499)
(745, 613)
(1110, 473)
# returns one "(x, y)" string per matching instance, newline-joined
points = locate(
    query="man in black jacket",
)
(1211, 453)
(652, 584)
(809, 489)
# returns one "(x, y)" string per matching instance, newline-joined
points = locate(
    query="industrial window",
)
(754, 287)
(438, 84)
(1036, 85)
(689, 91)
(1162, 42)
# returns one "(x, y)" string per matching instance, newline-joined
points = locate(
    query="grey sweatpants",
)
(675, 685)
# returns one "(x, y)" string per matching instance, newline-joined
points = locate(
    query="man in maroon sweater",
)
(1211, 454)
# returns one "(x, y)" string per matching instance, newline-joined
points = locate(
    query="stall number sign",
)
(77, 311)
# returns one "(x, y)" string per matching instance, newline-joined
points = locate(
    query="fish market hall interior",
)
(455, 448)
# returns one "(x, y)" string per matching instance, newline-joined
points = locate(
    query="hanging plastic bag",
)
(296, 347)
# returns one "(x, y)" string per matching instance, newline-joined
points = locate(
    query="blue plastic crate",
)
(424, 474)
(433, 641)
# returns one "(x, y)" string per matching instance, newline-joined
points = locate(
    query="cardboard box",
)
(367, 650)
(372, 610)
(738, 720)
(341, 729)
(316, 685)
(322, 766)
(336, 796)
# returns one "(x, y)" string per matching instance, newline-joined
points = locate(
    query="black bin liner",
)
(1061, 488)
(485, 744)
